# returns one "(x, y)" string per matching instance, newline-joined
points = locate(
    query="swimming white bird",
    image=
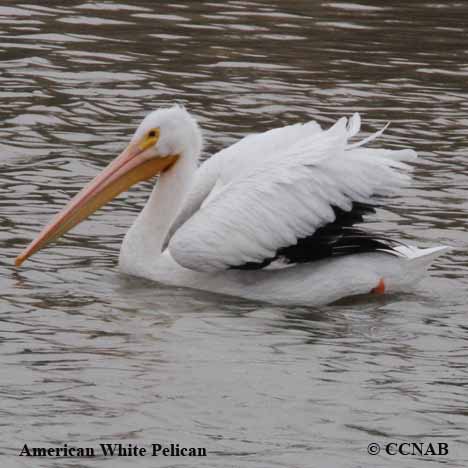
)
(270, 218)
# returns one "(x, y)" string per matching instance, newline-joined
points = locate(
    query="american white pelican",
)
(270, 218)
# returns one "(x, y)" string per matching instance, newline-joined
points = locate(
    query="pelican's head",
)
(162, 138)
(168, 132)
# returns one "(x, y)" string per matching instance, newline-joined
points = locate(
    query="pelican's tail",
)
(421, 255)
(414, 264)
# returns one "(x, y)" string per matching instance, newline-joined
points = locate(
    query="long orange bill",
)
(126, 170)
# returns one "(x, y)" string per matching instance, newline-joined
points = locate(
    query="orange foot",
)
(380, 288)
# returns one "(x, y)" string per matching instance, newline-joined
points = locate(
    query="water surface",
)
(91, 356)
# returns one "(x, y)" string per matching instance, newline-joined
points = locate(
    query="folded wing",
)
(274, 195)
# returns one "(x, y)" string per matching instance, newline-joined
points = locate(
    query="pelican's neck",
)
(144, 241)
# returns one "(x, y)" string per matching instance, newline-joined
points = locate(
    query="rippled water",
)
(90, 356)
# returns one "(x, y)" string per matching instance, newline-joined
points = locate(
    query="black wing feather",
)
(334, 239)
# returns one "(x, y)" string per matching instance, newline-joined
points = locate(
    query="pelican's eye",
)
(150, 139)
(153, 133)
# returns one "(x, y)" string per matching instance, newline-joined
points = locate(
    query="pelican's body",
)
(312, 284)
(270, 218)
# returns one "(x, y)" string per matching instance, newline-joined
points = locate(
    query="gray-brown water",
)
(89, 356)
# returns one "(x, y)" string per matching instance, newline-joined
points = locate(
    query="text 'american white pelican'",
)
(270, 218)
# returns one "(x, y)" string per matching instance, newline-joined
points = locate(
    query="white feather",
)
(274, 188)
(262, 193)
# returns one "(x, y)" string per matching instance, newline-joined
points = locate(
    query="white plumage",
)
(268, 195)
(260, 195)
(270, 218)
